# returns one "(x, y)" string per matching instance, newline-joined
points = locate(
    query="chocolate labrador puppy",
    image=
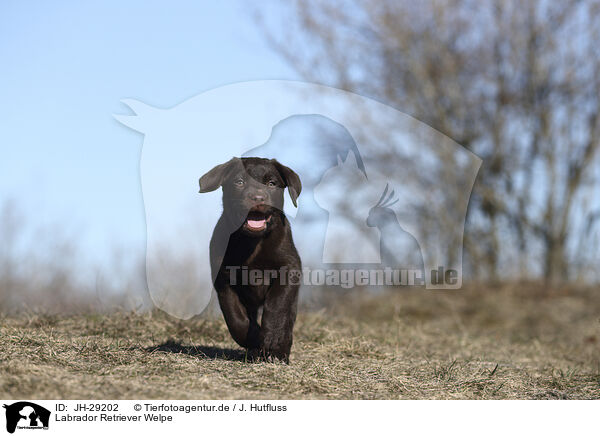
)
(252, 254)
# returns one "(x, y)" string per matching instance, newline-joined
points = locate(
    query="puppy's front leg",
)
(279, 315)
(243, 328)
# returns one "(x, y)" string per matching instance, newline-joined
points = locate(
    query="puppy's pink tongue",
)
(256, 224)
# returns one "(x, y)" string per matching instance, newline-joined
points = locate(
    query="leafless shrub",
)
(42, 270)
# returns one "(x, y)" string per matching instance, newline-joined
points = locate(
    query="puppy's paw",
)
(267, 355)
(276, 358)
(276, 354)
(253, 355)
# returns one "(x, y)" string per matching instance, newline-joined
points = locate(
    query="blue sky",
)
(65, 65)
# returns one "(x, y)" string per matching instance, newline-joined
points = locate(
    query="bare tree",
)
(516, 82)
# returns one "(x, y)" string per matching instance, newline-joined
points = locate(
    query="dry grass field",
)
(521, 342)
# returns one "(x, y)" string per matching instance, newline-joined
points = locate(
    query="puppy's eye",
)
(271, 184)
(239, 182)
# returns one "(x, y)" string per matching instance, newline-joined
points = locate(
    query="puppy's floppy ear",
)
(291, 179)
(214, 178)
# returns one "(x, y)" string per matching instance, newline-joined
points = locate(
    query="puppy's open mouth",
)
(257, 221)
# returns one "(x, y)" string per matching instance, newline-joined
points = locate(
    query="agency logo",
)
(381, 191)
(27, 416)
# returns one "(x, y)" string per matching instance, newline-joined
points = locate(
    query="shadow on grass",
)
(199, 351)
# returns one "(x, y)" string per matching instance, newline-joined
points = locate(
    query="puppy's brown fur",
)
(253, 232)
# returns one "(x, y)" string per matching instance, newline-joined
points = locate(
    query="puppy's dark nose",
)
(257, 197)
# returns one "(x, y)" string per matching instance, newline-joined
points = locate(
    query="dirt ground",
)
(510, 342)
